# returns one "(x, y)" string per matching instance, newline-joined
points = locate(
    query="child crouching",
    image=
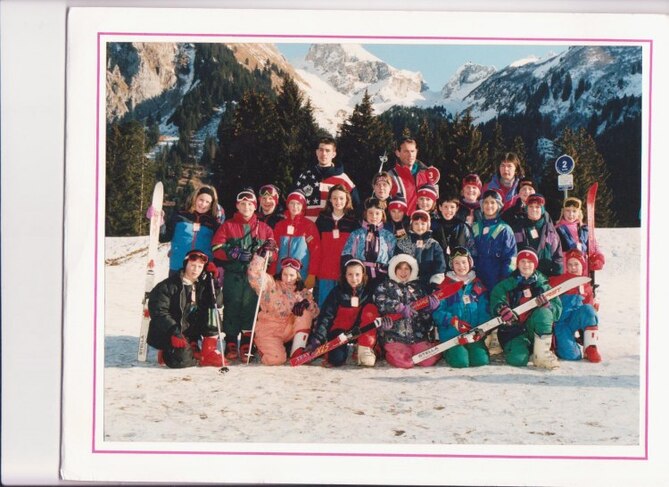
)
(406, 336)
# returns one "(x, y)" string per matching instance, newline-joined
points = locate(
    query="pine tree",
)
(589, 168)
(497, 146)
(130, 178)
(363, 139)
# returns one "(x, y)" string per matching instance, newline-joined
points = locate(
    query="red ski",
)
(445, 290)
(592, 240)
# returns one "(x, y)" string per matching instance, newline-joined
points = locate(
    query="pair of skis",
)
(479, 332)
(445, 290)
(592, 240)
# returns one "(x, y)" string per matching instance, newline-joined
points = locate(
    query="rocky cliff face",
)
(140, 71)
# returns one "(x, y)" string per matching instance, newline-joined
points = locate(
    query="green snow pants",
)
(240, 305)
(470, 355)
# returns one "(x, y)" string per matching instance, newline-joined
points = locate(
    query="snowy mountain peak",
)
(466, 78)
(524, 61)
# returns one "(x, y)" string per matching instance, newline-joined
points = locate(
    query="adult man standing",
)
(409, 173)
(316, 181)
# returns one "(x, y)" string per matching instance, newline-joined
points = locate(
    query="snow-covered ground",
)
(579, 404)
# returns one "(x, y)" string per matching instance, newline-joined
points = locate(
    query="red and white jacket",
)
(407, 184)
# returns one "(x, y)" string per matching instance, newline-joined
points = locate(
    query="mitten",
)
(268, 246)
(461, 325)
(151, 211)
(406, 311)
(432, 302)
(312, 344)
(212, 270)
(596, 261)
(300, 307)
(506, 313)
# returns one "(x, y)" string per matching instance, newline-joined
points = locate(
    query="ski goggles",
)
(292, 263)
(268, 190)
(459, 252)
(421, 215)
(246, 196)
(196, 255)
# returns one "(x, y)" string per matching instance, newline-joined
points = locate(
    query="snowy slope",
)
(579, 404)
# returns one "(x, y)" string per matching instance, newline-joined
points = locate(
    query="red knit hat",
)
(398, 202)
(529, 254)
(428, 191)
(472, 180)
(575, 254)
(298, 196)
(536, 199)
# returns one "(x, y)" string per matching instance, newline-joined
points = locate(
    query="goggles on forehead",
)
(246, 196)
(420, 215)
(268, 190)
(292, 263)
(459, 252)
(195, 256)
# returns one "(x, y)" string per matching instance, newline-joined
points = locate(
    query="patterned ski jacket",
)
(452, 233)
(373, 246)
(469, 304)
(428, 253)
(316, 182)
(298, 238)
(494, 250)
(507, 193)
(248, 235)
(334, 235)
(188, 231)
(277, 299)
(543, 238)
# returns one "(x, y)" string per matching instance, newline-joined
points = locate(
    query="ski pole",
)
(255, 318)
(217, 318)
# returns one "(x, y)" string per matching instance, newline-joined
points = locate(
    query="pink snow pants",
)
(271, 334)
(399, 354)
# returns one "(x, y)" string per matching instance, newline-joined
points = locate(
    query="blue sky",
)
(437, 63)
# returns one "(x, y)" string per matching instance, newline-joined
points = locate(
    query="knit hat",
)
(494, 194)
(575, 254)
(529, 254)
(428, 191)
(195, 255)
(472, 180)
(247, 194)
(298, 196)
(398, 202)
(460, 252)
(571, 201)
(206, 190)
(536, 199)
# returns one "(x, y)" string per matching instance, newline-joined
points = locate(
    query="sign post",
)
(564, 165)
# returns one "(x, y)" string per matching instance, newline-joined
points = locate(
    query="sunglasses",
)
(198, 256)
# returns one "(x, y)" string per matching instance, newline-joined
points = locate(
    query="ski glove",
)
(150, 212)
(300, 307)
(268, 246)
(386, 323)
(506, 313)
(312, 344)
(178, 341)
(596, 261)
(461, 325)
(432, 302)
(406, 311)
(241, 255)
(212, 270)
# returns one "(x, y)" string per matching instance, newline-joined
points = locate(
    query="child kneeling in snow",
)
(579, 313)
(348, 306)
(532, 329)
(286, 309)
(409, 335)
(462, 311)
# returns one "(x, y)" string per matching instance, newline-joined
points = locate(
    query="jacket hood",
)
(396, 260)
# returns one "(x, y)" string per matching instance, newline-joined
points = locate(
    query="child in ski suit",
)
(448, 229)
(334, 224)
(409, 335)
(426, 250)
(579, 314)
(371, 244)
(269, 209)
(574, 234)
(348, 306)
(533, 329)
(516, 214)
(193, 227)
(298, 237)
(427, 199)
(233, 245)
(287, 309)
(179, 307)
(464, 310)
(470, 203)
(494, 250)
(538, 232)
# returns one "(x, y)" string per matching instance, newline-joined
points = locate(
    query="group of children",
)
(320, 273)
